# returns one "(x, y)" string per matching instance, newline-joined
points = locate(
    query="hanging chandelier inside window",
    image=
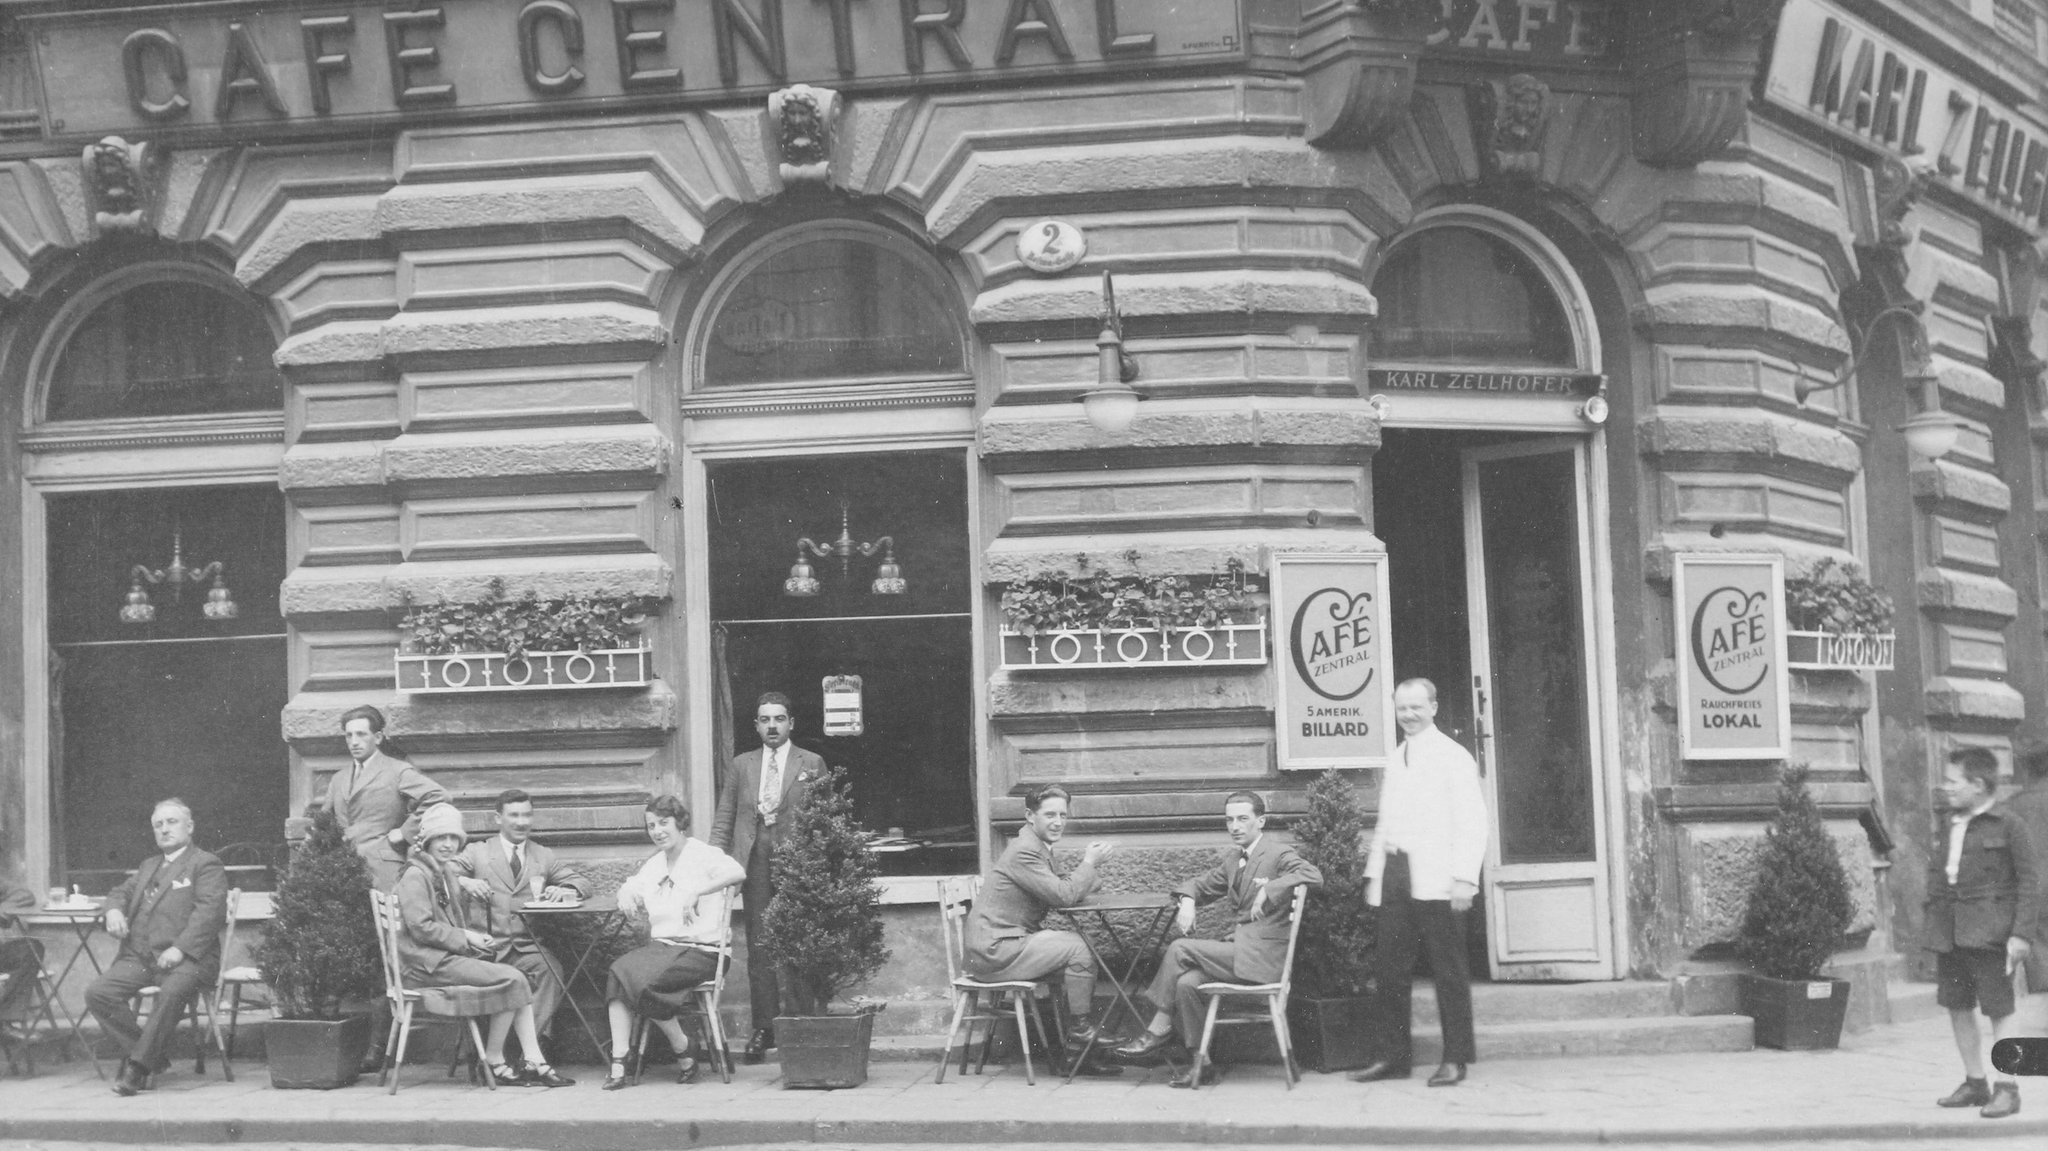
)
(219, 605)
(803, 579)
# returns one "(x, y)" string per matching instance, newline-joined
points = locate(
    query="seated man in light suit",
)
(1004, 937)
(1258, 875)
(168, 917)
(505, 870)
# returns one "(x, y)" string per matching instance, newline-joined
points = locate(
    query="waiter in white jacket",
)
(1422, 872)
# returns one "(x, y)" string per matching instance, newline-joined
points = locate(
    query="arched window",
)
(842, 302)
(166, 347)
(1456, 294)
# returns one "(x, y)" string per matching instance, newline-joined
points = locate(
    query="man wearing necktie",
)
(505, 871)
(761, 788)
(1422, 872)
(378, 798)
(168, 917)
(1258, 875)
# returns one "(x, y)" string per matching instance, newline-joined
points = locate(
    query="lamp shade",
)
(1111, 409)
(1932, 435)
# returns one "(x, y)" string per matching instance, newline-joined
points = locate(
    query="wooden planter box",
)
(1331, 1034)
(1228, 645)
(824, 1050)
(315, 1053)
(1832, 651)
(1796, 1014)
(493, 671)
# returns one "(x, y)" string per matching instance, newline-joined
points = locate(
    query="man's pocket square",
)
(177, 883)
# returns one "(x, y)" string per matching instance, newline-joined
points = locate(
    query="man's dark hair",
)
(1257, 801)
(670, 807)
(774, 698)
(1036, 797)
(1980, 764)
(375, 717)
(510, 796)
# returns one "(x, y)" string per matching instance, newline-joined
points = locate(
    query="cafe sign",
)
(1335, 701)
(1733, 697)
(242, 65)
(1843, 74)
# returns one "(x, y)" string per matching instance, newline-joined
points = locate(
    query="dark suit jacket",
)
(739, 818)
(1260, 937)
(486, 860)
(1019, 890)
(1997, 893)
(181, 904)
(386, 793)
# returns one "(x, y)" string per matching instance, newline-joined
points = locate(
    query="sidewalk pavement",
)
(1879, 1087)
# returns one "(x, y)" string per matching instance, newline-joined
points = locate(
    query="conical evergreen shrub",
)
(321, 948)
(824, 925)
(1799, 905)
(1333, 959)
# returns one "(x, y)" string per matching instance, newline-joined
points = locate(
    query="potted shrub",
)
(1328, 1011)
(1798, 911)
(1836, 620)
(319, 957)
(524, 644)
(824, 931)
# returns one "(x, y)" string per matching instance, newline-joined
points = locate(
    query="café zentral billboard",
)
(242, 65)
(1335, 703)
(1733, 697)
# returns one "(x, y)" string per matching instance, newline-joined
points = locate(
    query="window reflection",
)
(1459, 294)
(832, 308)
(167, 348)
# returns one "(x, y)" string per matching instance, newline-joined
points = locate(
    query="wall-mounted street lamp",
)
(1930, 433)
(1113, 403)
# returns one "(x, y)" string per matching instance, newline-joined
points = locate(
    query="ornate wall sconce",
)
(219, 605)
(1930, 433)
(803, 579)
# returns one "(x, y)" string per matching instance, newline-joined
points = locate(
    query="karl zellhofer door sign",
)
(1733, 698)
(1335, 702)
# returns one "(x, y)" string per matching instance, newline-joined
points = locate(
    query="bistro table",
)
(83, 920)
(1152, 912)
(608, 918)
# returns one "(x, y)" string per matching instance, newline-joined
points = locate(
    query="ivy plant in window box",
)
(1837, 621)
(1099, 619)
(524, 644)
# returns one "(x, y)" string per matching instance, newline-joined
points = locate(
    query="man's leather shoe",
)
(1973, 1093)
(1144, 1047)
(131, 1078)
(1095, 1066)
(1186, 1079)
(2005, 1100)
(1377, 1070)
(1448, 1075)
(758, 1045)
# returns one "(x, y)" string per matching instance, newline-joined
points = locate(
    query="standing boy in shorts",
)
(1984, 915)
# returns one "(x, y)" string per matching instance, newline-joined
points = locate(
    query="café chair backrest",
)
(956, 893)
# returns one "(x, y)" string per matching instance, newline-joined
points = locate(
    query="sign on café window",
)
(1733, 701)
(1335, 704)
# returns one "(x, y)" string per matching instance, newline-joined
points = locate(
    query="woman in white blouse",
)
(679, 886)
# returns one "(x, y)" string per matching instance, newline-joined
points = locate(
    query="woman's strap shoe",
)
(615, 1078)
(686, 1070)
(542, 1075)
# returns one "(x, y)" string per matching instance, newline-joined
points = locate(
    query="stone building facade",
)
(579, 298)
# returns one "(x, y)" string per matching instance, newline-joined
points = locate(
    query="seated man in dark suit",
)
(1258, 875)
(168, 917)
(1004, 938)
(510, 869)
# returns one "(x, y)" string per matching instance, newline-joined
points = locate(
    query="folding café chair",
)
(208, 1001)
(711, 1026)
(24, 1004)
(1274, 994)
(405, 1003)
(956, 893)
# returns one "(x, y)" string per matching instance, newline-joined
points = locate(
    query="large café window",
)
(837, 310)
(175, 700)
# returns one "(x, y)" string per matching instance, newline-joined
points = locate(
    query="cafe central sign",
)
(244, 65)
(1837, 71)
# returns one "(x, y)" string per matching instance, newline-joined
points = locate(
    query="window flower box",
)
(496, 671)
(1220, 645)
(1839, 651)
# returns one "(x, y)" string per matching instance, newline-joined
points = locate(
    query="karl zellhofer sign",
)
(240, 65)
(1335, 698)
(1733, 701)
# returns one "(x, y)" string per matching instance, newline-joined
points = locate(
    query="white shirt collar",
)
(173, 856)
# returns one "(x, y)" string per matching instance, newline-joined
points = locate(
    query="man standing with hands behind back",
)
(1422, 872)
(761, 788)
(168, 917)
